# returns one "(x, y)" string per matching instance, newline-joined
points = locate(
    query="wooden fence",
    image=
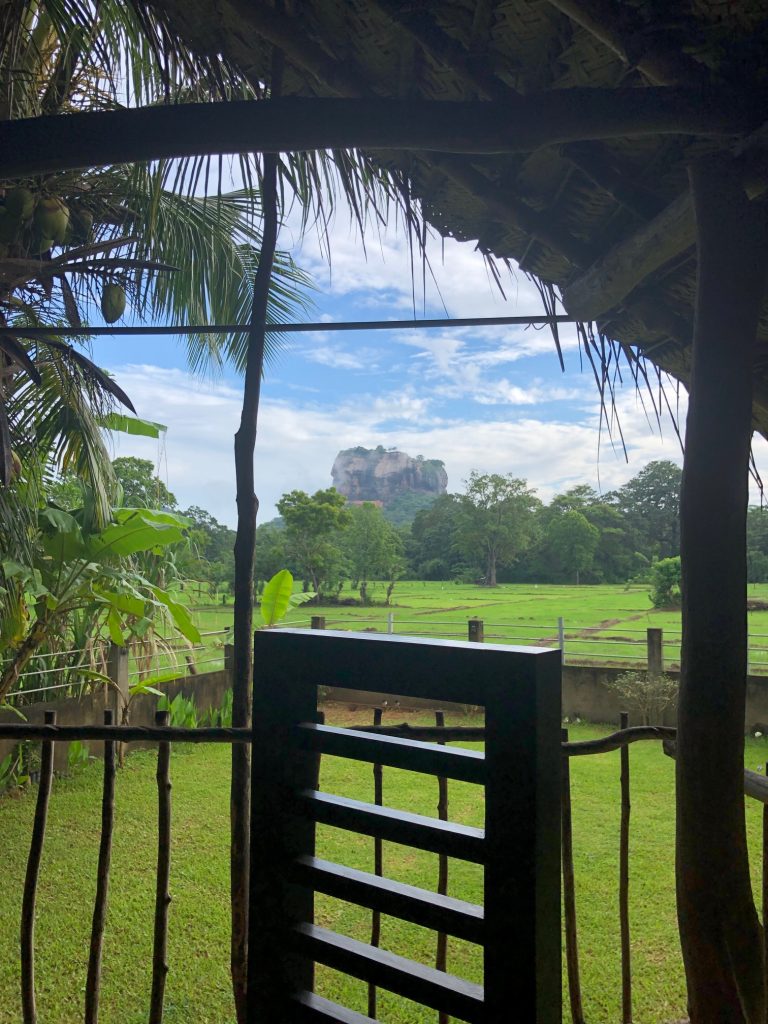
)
(445, 916)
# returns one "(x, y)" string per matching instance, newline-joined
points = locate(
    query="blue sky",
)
(491, 399)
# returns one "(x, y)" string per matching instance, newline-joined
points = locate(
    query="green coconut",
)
(19, 203)
(113, 302)
(80, 227)
(41, 245)
(51, 219)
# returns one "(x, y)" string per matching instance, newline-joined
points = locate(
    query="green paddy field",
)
(198, 987)
(603, 624)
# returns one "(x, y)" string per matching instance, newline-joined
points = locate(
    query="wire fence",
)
(77, 671)
(582, 644)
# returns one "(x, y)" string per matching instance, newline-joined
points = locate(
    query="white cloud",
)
(298, 440)
(337, 358)
(456, 277)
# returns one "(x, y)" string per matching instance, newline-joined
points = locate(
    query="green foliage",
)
(182, 711)
(141, 487)
(312, 526)
(650, 503)
(665, 583)
(77, 756)
(404, 508)
(645, 694)
(497, 520)
(372, 547)
(572, 540)
(220, 717)
(278, 597)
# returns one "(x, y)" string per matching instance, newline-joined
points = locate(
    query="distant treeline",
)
(498, 530)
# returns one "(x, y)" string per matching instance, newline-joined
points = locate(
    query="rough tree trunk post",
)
(242, 655)
(719, 930)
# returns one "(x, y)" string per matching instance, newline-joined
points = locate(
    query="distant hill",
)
(404, 485)
(404, 507)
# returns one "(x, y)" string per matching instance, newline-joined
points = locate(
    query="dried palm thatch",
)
(607, 221)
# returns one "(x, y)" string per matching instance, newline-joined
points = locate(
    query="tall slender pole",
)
(245, 544)
(162, 886)
(569, 891)
(93, 983)
(29, 898)
(626, 965)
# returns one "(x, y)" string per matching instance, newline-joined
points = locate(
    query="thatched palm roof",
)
(608, 222)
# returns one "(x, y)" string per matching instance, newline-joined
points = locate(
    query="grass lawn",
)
(198, 984)
(602, 623)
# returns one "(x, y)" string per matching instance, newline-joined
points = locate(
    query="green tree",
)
(312, 524)
(665, 582)
(431, 548)
(141, 487)
(209, 555)
(572, 539)
(497, 521)
(650, 503)
(757, 544)
(272, 551)
(372, 547)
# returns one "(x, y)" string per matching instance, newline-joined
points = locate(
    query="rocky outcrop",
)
(376, 474)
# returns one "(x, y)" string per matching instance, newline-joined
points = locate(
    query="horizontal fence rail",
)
(416, 748)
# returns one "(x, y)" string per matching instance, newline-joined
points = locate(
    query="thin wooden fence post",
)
(441, 957)
(317, 622)
(655, 646)
(626, 965)
(29, 898)
(569, 892)
(561, 636)
(378, 864)
(93, 982)
(475, 631)
(765, 888)
(162, 894)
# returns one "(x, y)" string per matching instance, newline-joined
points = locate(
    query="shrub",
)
(665, 583)
(648, 696)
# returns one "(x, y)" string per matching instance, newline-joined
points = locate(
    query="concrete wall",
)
(587, 696)
(208, 690)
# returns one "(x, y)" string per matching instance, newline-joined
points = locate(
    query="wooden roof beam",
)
(625, 266)
(64, 142)
(659, 64)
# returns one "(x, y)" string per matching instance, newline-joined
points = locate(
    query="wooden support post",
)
(475, 631)
(441, 957)
(162, 888)
(93, 982)
(719, 929)
(378, 865)
(569, 892)
(245, 548)
(117, 670)
(655, 647)
(317, 622)
(29, 898)
(229, 660)
(626, 965)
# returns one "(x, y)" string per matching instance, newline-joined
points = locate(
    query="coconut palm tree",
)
(171, 238)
